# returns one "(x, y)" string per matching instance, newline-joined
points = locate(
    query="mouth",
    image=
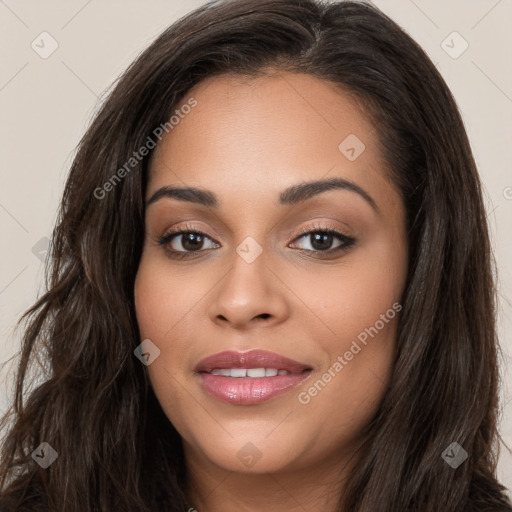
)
(248, 378)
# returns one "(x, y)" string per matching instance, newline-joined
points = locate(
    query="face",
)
(267, 261)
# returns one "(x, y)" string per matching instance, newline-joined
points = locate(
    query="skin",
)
(246, 141)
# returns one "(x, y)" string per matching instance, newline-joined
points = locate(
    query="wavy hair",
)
(116, 448)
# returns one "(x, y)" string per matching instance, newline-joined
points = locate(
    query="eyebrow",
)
(290, 196)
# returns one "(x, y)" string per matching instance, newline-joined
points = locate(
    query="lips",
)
(249, 378)
(248, 360)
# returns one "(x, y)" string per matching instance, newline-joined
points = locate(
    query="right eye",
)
(184, 241)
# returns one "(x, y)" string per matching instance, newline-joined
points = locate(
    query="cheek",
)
(162, 301)
(351, 297)
(357, 311)
(163, 298)
(161, 306)
(152, 306)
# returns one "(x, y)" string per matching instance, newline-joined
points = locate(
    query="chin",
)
(256, 455)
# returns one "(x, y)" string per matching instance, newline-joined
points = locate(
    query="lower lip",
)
(249, 390)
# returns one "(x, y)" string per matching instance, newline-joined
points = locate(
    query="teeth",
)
(256, 372)
(227, 373)
(249, 372)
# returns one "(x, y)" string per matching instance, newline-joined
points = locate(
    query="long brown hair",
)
(116, 448)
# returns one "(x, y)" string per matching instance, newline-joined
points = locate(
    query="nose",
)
(250, 295)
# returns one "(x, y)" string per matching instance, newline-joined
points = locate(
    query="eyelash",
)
(347, 241)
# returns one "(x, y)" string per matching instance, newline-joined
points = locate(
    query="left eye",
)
(322, 240)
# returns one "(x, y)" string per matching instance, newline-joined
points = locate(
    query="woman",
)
(270, 283)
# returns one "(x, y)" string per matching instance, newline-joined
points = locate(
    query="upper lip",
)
(250, 359)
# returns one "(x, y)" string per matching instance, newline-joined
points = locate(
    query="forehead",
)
(267, 133)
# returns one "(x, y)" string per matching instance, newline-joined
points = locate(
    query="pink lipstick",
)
(248, 378)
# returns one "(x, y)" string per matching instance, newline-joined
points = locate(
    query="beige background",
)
(46, 105)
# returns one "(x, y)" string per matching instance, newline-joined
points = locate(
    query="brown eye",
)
(185, 240)
(191, 241)
(322, 240)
